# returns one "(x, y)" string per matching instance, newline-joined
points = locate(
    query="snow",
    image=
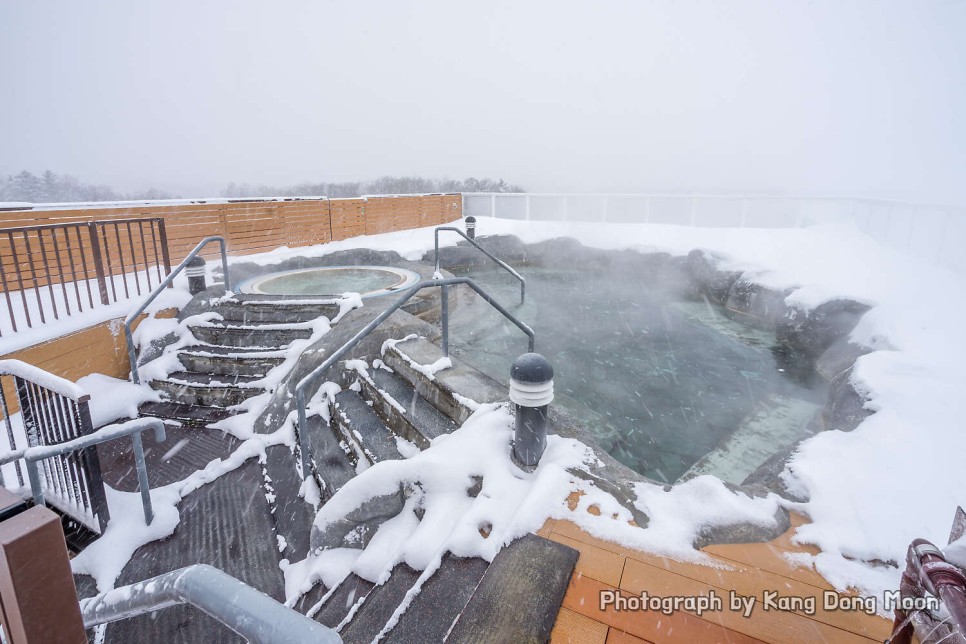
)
(510, 504)
(898, 476)
(11, 341)
(42, 378)
(113, 398)
(912, 378)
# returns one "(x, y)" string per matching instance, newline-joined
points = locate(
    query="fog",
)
(864, 97)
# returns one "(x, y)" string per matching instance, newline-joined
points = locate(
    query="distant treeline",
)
(381, 186)
(51, 187)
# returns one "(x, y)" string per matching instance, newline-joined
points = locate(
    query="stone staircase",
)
(234, 355)
(385, 411)
(513, 599)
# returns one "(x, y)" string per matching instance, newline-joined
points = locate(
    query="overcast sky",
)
(860, 97)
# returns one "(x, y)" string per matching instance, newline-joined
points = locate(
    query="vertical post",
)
(493, 205)
(445, 296)
(470, 232)
(37, 594)
(563, 216)
(526, 206)
(694, 210)
(195, 270)
(531, 391)
(165, 256)
(143, 486)
(603, 210)
(98, 261)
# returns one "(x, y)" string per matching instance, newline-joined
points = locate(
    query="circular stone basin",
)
(368, 281)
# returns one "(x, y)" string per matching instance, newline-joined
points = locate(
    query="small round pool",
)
(368, 281)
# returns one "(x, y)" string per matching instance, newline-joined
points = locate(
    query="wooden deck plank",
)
(679, 579)
(615, 636)
(574, 628)
(583, 596)
(596, 563)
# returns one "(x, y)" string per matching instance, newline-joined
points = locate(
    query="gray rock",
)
(845, 407)
(768, 476)
(838, 358)
(707, 279)
(811, 331)
(755, 305)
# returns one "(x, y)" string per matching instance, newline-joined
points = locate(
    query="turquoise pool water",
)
(671, 388)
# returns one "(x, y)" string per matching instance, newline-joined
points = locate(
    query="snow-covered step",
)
(273, 336)
(335, 461)
(279, 310)
(219, 360)
(362, 428)
(453, 387)
(378, 606)
(207, 390)
(402, 408)
(183, 414)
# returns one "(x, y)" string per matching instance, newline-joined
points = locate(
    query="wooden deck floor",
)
(755, 569)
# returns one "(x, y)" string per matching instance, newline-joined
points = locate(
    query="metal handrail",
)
(504, 265)
(133, 428)
(131, 353)
(245, 610)
(358, 337)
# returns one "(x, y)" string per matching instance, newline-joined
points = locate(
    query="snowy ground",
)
(898, 476)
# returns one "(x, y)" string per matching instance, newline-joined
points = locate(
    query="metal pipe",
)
(245, 610)
(504, 265)
(131, 353)
(33, 455)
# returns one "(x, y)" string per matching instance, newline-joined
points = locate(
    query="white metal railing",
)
(936, 232)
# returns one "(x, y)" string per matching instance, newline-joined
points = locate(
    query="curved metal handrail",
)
(504, 265)
(319, 371)
(131, 353)
(245, 610)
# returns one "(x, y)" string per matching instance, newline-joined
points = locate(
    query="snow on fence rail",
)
(933, 231)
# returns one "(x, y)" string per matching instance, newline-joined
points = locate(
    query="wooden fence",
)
(258, 226)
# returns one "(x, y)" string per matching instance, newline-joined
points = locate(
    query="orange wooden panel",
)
(574, 628)
(596, 563)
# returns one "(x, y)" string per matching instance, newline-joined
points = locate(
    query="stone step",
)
(277, 310)
(352, 590)
(335, 461)
(519, 596)
(440, 601)
(213, 359)
(207, 390)
(250, 336)
(448, 389)
(363, 429)
(379, 606)
(418, 422)
(184, 414)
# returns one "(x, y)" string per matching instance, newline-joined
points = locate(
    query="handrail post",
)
(337, 355)
(501, 263)
(132, 354)
(445, 319)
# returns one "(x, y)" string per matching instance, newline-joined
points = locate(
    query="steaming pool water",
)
(671, 388)
(369, 281)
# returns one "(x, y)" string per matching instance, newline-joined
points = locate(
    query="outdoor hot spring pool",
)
(369, 281)
(667, 386)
